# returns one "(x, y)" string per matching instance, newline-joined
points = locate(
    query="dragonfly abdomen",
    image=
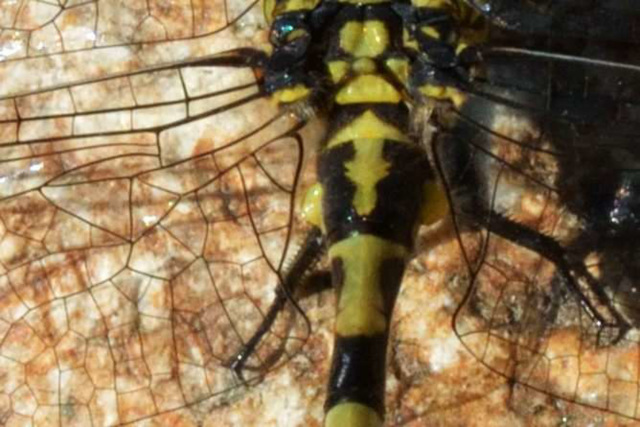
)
(372, 190)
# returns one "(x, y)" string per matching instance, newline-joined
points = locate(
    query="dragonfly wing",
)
(552, 140)
(146, 217)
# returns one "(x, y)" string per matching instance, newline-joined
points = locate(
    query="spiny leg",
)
(593, 298)
(299, 281)
(459, 174)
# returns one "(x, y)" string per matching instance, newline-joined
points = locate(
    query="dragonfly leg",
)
(299, 281)
(593, 298)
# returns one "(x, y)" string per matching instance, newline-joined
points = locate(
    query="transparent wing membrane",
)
(145, 222)
(75, 41)
(33, 29)
(552, 270)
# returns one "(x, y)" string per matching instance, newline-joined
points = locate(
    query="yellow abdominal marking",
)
(367, 126)
(364, 39)
(361, 304)
(353, 415)
(365, 171)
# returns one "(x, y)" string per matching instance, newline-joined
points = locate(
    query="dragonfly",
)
(149, 216)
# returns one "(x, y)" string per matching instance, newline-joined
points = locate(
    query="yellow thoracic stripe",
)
(361, 304)
(364, 39)
(352, 414)
(369, 88)
(367, 126)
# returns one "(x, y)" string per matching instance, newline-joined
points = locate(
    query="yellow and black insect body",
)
(375, 180)
(375, 65)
